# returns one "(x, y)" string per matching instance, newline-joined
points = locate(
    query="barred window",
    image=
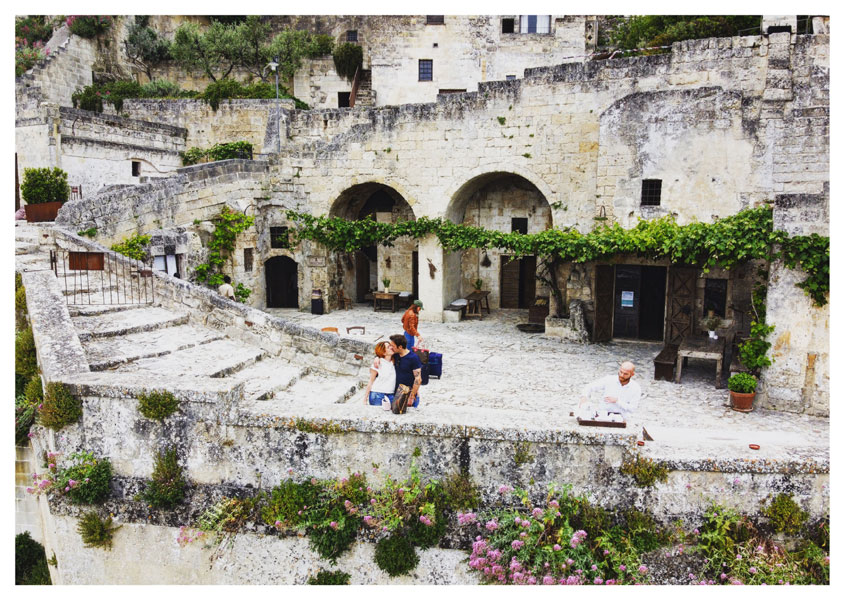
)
(278, 237)
(651, 192)
(434, 19)
(247, 259)
(352, 35)
(426, 69)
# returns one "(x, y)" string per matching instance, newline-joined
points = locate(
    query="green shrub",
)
(96, 532)
(157, 404)
(93, 96)
(32, 29)
(25, 412)
(461, 491)
(134, 247)
(645, 471)
(242, 293)
(395, 555)
(26, 360)
(30, 561)
(27, 57)
(59, 408)
(330, 578)
(34, 390)
(591, 518)
(348, 58)
(785, 515)
(89, 26)
(167, 487)
(643, 532)
(227, 89)
(287, 501)
(742, 383)
(44, 184)
(20, 309)
(161, 88)
(91, 477)
(331, 541)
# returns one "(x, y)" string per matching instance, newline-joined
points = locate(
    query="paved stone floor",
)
(490, 364)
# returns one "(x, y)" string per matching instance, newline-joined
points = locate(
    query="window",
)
(519, 224)
(535, 24)
(278, 237)
(510, 77)
(136, 168)
(715, 296)
(352, 35)
(166, 263)
(651, 192)
(247, 259)
(508, 25)
(343, 99)
(434, 20)
(426, 70)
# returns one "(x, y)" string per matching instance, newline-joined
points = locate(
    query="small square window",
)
(278, 237)
(136, 168)
(248, 259)
(508, 25)
(352, 35)
(434, 19)
(519, 224)
(715, 296)
(426, 70)
(651, 192)
(510, 77)
(343, 99)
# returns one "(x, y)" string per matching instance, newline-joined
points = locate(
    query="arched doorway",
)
(369, 266)
(505, 202)
(281, 279)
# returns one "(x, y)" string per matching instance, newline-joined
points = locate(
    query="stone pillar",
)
(433, 269)
(779, 21)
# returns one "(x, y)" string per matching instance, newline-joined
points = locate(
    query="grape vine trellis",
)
(744, 236)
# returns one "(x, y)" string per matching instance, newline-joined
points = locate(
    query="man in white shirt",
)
(614, 393)
(226, 290)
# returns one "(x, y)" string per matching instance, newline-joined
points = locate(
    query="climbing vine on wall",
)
(744, 236)
(227, 226)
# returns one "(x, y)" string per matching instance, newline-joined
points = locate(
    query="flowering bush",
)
(89, 26)
(26, 56)
(85, 480)
(32, 29)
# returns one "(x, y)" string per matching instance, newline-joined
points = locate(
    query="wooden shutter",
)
(509, 279)
(603, 294)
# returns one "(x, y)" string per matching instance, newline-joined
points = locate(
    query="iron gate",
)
(102, 278)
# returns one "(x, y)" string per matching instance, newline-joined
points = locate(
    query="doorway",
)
(518, 283)
(281, 278)
(639, 302)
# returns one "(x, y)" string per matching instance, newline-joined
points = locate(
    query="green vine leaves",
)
(744, 236)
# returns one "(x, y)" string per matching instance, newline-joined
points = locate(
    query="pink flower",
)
(623, 568)
(367, 519)
(597, 580)
(554, 504)
(517, 544)
(372, 500)
(522, 534)
(492, 525)
(643, 569)
(290, 471)
(537, 512)
(556, 547)
(51, 466)
(29, 490)
(548, 580)
(526, 524)
(593, 567)
(277, 524)
(333, 524)
(752, 570)
(504, 489)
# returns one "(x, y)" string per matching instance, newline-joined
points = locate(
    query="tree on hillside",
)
(663, 30)
(254, 37)
(217, 50)
(144, 47)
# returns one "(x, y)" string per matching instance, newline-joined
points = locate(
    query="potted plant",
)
(743, 387)
(44, 190)
(477, 284)
(712, 323)
(386, 283)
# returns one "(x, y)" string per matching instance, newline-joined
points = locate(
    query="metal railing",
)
(102, 278)
(356, 81)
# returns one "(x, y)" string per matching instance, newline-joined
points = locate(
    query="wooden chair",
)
(342, 301)
(330, 330)
(363, 330)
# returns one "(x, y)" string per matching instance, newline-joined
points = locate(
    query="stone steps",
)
(266, 378)
(217, 358)
(322, 389)
(127, 321)
(109, 352)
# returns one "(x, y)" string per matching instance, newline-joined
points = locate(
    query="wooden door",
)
(527, 281)
(362, 276)
(603, 294)
(509, 282)
(681, 302)
(626, 301)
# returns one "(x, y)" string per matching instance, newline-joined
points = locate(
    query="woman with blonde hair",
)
(382, 383)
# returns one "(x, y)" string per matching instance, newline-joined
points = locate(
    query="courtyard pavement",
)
(492, 366)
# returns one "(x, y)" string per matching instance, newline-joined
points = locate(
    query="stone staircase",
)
(366, 97)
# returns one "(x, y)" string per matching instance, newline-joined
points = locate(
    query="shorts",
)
(381, 399)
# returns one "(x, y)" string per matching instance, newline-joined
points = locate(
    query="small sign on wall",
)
(315, 261)
(627, 300)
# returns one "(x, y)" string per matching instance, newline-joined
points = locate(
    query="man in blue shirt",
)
(408, 367)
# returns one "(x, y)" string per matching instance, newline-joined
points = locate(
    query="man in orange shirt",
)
(410, 321)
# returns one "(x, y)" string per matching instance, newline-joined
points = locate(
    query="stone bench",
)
(664, 363)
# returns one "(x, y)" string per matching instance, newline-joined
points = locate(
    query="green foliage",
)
(219, 524)
(26, 360)
(325, 426)
(785, 515)
(812, 254)
(216, 50)
(329, 578)
(25, 412)
(161, 88)
(144, 46)
(89, 26)
(742, 383)
(91, 232)
(32, 29)
(230, 89)
(59, 408)
(501, 120)
(240, 149)
(663, 30)
(30, 561)
(114, 92)
(289, 500)
(461, 491)
(242, 293)
(167, 484)
(96, 532)
(396, 555)
(157, 404)
(591, 518)
(747, 235)
(34, 391)
(320, 44)
(348, 58)
(227, 226)
(644, 471)
(134, 247)
(20, 304)
(753, 352)
(85, 479)
(522, 453)
(27, 56)
(41, 185)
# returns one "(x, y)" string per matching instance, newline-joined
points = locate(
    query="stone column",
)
(433, 269)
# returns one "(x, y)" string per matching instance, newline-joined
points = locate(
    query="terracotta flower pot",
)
(46, 211)
(742, 402)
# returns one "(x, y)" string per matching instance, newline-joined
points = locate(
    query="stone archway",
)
(363, 271)
(506, 202)
(281, 281)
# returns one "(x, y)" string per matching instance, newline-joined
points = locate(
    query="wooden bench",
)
(664, 363)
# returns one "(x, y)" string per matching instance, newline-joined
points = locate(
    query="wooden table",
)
(383, 298)
(475, 302)
(701, 347)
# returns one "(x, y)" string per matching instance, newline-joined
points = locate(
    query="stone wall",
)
(317, 83)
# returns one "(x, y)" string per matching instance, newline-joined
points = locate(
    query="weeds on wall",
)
(84, 479)
(645, 471)
(26, 361)
(157, 404)
(59, 408)
(134, 247)
(219, 524)
(96, 532)
(785, 515)
(329, 578)
(30, 561)
(167, 484)
(192, 156)
(89, 26)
